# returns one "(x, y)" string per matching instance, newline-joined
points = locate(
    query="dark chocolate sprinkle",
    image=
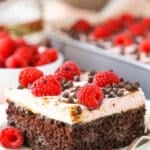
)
(70, 100)
(91, 73)
(76, 78)
(121, 80)
(120, 93)
(128, 87)
(90, 79)
(121, 85)
(20, 87)
(79, 110)
(66, 94)
(69, 84)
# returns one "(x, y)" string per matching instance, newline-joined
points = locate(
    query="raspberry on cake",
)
(85, 110)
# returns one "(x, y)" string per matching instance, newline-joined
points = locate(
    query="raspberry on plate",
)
(28, 75)
(46, 86)
(104, 78)
(90, 95)
(100, 32)
(68, 70)
(123, 39)
(15, 61)
(81, 25)
(7, 46)
(11, 137)
(137, 29)
(145, 46)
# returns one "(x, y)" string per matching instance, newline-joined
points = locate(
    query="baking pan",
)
(94, 58)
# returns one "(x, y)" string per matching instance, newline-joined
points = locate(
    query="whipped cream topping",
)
(53, 108)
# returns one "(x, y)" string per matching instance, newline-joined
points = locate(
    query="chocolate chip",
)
(121, 80)
(79, 110)
(121, 85)
(69, 84)
(128, 87)
(70, 100)
(91, 73)
(20, 87)
(74, 95)
(111, 94)
(64, 81)
(120, 93)
(90, 79)
(76, 78)
(115, 90)
(114, 85)
(66, 94)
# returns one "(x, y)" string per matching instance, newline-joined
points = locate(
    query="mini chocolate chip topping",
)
(79, 110)
(92, 73)
(20, 87)
(66, 94)
(90, 79)
(70, 100)
(76, 78)
(68, 84)
(115, 90)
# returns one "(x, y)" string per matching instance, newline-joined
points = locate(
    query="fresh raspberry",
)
(51, 53)
(28, 75)
(127, 19)
(81, 26)
(100, 32)
(20, 42)
(146, 22)
(46, 86)
(145, 46)
(7, 46)
(11, 137)
(15, 61)
(3, 34)
(105, 78)
(113, 24)
(25, 52)
(123, 39)
(68, 70)
(137, 29)
(90, 95)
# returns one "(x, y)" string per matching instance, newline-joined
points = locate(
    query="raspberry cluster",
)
(122, 31)
(17, 53)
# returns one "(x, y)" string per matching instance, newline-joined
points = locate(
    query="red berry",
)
(123, 39)
(113, 24)
(146, 22)
(15, 61)
(20, 42)
(25, 52)
(137, 29)
(7, 46)
(81, 26)
(100, 32)
(11, 137)
(46, 86)
(145, 46)
(28, 75)
(51, 53)
(105, 78)
(127, 19)
(2, 62)
(90, 95)
(68, 70)
(3, 34)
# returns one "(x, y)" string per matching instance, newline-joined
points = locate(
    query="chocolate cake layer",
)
(105, 133)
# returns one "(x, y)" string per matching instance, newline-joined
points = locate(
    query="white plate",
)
(3, 123)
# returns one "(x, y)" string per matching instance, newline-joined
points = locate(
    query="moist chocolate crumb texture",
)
(125, 35)
(62, 123)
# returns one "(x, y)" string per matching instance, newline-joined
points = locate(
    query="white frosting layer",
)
(52, 108)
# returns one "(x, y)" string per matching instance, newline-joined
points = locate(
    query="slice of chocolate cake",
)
(93, 111)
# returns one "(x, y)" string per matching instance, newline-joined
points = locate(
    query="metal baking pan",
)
(94, 58)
